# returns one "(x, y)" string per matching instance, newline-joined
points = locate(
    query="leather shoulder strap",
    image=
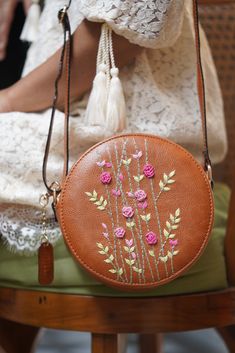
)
(65, 63)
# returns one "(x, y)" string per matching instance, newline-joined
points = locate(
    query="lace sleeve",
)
(151, 23)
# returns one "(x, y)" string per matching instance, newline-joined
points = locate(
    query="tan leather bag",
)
(135, 210)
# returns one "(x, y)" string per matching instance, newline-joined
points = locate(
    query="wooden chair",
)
(23, 312)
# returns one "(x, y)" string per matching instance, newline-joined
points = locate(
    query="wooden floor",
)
(205, 341)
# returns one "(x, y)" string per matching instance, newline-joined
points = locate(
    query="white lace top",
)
(161, 97)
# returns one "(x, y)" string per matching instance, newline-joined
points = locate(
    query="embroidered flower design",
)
(151, 238)
(143, 205)
(105, 178)
(116, 192)
(173, 243)
(121, 177)
(149, 171)
(128, 211)
(108, 164)
(101, 164)
(140, 195)
(129, 242)
(119, 232)
(130, 194)
(137, 155)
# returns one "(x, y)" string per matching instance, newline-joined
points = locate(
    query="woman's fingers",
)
(7, 9)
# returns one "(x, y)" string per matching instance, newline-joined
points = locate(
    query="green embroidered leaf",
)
(172, 218)
(143, 217)
(130, 224)
(169, 254)
(151, 253)
(130, 262)
(175, 252)
(177, 220)
(111, 257)
(97, 203)
(132, 249)
(164, 258)
(175, 226)
(138, 177)
(135, 269)
(126, 161)
(172, 174)
(101, 252)
(92, 199)
(120, 271)
(101, 208)
(126, 249)
(106, 249)
(166, 233)
(101, 199)
(168, 225)
(172, 236)
(88, 193)
(161, 185)
(166, 188)
(105, 203)
(107, 261)
(171, 181)
(165, 177)
(100, 245)
(112, 270)
(95, 194)
(177, 212)
(148, 217)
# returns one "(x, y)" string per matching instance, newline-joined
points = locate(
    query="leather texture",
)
(136, 211)
(45, 264)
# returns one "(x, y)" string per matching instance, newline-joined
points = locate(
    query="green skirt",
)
(209, 273)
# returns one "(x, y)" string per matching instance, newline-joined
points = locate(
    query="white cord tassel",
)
(30, 29)
(116, 105)
(97, 103)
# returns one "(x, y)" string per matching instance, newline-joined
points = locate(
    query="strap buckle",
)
(62, 13)
(209, 173)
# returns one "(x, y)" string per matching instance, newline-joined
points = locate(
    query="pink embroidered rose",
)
(140, 195)
(119, 232)
(151, 238)
(128, 211)
(149, 171)
(105, 178)
(173, 242)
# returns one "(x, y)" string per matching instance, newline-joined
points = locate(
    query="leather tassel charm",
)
(30, 29)
(45, 264)
(45, 251)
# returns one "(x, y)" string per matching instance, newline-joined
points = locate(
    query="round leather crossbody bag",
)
(135, 210)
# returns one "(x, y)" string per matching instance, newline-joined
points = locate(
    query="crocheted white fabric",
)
(160, 90)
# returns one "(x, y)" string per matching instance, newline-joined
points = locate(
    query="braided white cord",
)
(111, 48)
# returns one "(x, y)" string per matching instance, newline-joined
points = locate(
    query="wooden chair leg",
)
(17, 338)
(105, 343)
(151, 343)
(228, 335)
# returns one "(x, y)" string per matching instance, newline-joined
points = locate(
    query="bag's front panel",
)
(136, 211)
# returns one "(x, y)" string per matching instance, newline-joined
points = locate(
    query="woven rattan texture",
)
(218, 22)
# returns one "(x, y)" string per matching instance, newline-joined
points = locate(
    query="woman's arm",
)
(34, 92)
